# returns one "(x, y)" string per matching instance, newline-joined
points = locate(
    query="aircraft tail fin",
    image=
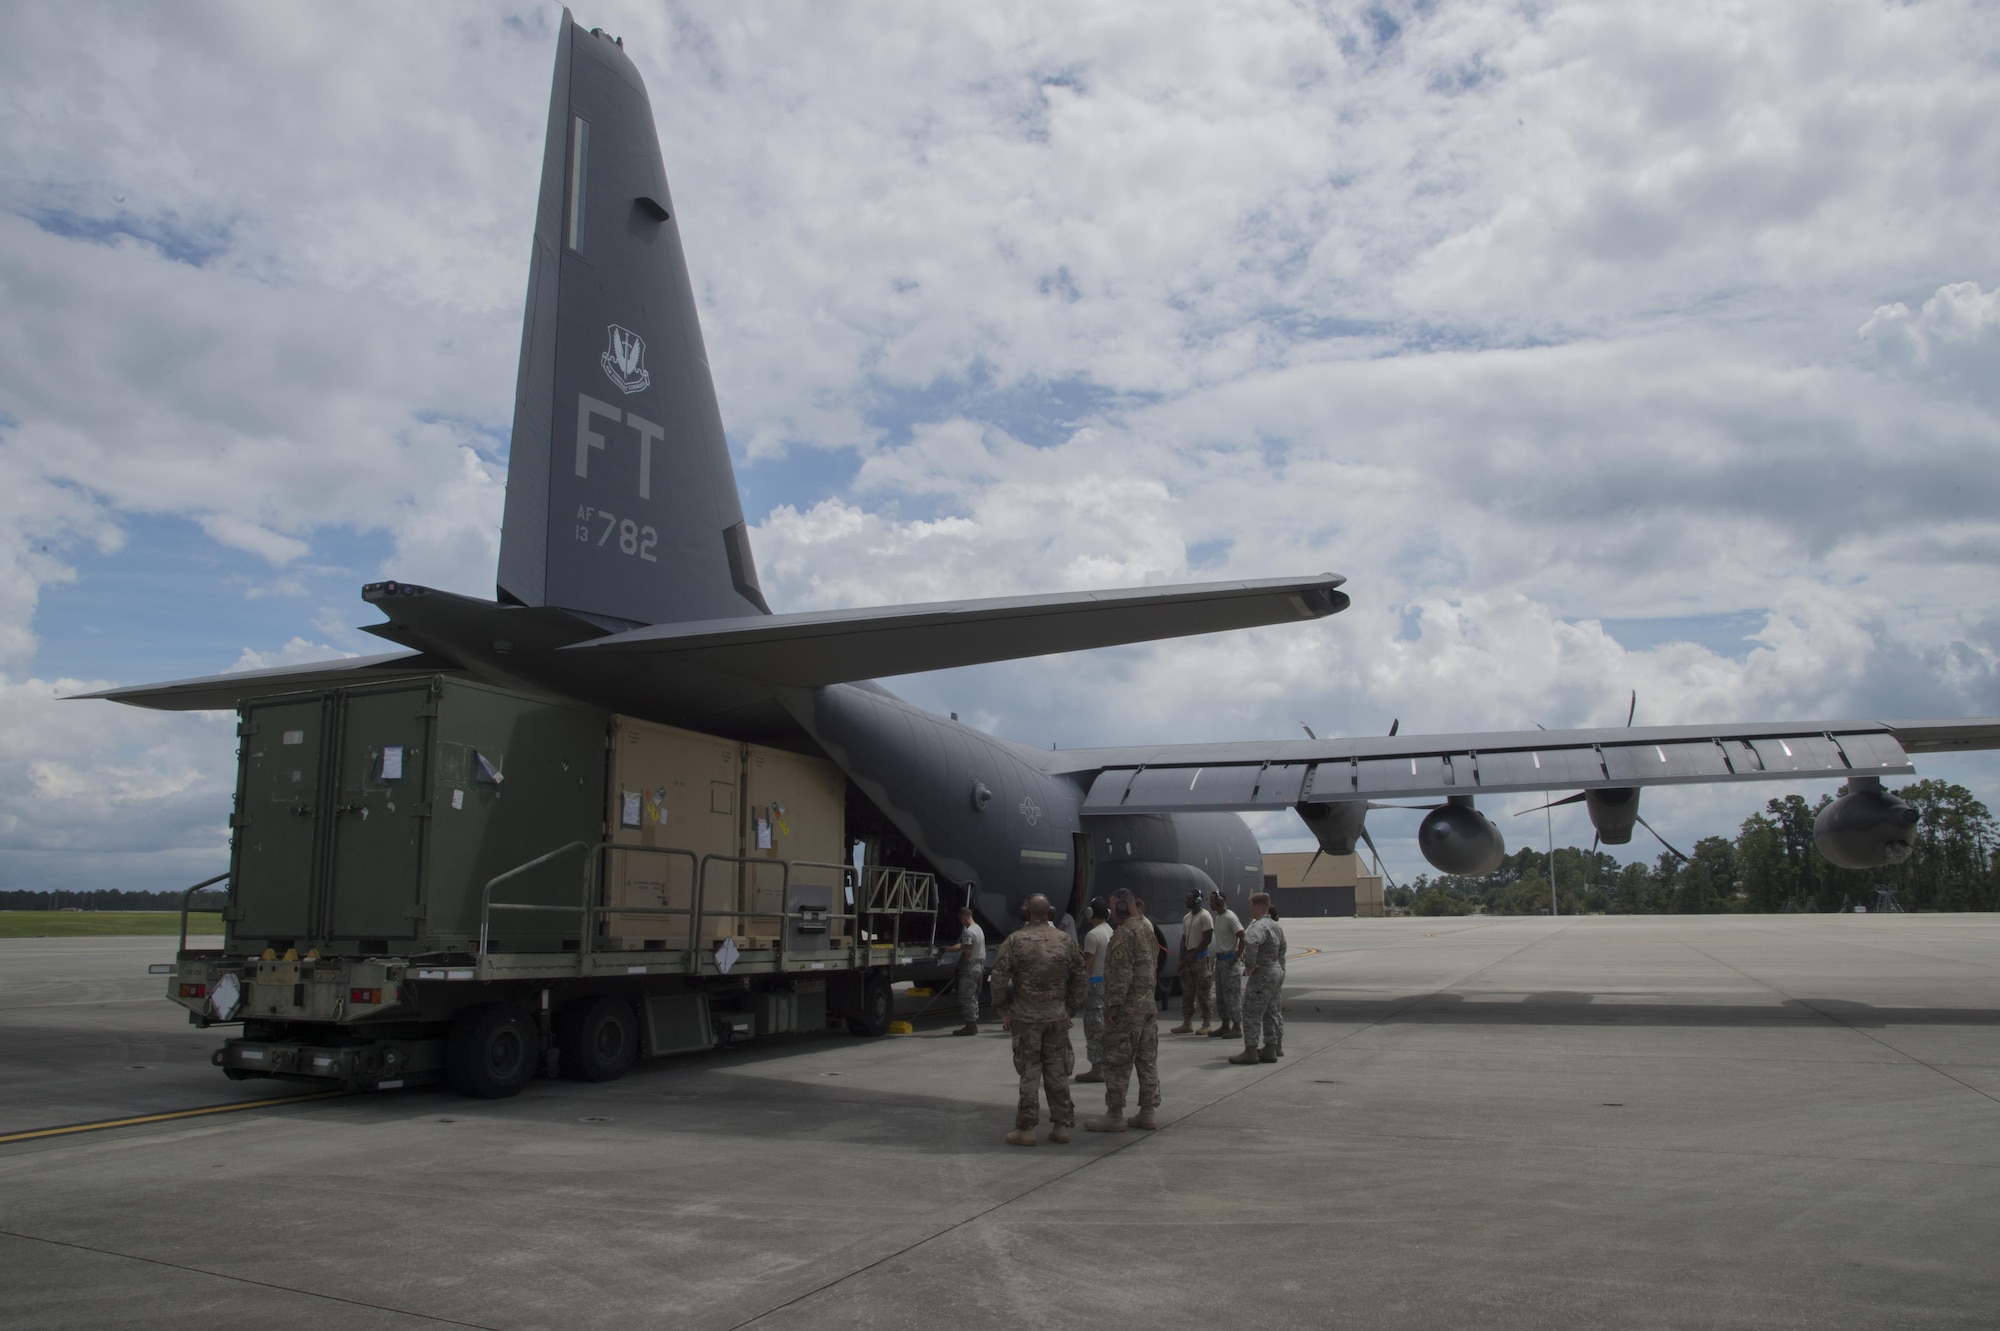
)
(621, 500)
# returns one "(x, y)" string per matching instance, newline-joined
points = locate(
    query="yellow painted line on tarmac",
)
(136, 1120)
(1306, 952)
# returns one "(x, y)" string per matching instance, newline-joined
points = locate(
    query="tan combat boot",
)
(1249, 1055)
(1059, 1134)
(1204, 1029)
(1021, 1137)
(1267, 1055)
(1144, 1120)
(1111, 1122)
(1182, 1029)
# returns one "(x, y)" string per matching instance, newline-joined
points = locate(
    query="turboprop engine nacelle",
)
(1335, 826)
(1866, 827)
(1614, 812)
(1457, 838)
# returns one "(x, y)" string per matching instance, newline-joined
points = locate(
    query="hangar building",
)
(1335, 885)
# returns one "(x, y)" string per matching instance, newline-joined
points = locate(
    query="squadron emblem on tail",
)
(624, 361)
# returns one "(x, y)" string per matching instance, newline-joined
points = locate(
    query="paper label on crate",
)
(725, 955)
(458, 799)
(392, 762)
(629, 815)
(295, 737)
(763, 834)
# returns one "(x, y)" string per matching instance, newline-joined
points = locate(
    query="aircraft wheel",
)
(878, 1004)
(491, 1052)
(598, 1037)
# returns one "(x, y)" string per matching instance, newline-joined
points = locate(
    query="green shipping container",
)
(369, 820)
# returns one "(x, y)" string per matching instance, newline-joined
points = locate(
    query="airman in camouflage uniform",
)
(1197, 933)
(1038, 982)
(1096, 944)
(1274, 1034)
(1228, 971)
(1263, 954)
(1131, 1025)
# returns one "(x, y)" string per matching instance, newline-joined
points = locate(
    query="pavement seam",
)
(1844, 1025)
(1881, 944)
(163, 1116)
(1621, 1148)
(245, 1280)
(1123, 1146)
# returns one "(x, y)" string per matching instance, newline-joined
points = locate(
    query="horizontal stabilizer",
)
(224, 692)
(837, 646)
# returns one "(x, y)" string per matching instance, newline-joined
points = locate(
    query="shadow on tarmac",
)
(1567, 1007)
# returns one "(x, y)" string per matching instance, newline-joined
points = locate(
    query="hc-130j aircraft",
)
(626, 581)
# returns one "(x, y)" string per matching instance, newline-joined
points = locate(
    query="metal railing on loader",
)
(187, 897)
(879, 898)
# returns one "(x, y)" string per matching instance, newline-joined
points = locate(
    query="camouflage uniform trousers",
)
(1262, 1023)
(1043, 1056)
(1229, 988)
(1132, 1042)
(1195, 991)
(1093, 1026)
(969, 977)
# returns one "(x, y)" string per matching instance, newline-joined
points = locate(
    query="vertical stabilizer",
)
(621, 500)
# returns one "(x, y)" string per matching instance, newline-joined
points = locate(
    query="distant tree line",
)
(1771, 866)
(108, 899)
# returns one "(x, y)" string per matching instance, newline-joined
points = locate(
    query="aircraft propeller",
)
(1611, 805)
(1394, 724)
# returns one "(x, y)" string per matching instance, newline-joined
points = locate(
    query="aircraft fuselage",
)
(993, 821)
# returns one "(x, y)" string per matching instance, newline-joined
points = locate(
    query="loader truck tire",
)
(878, 1005)
(492, 1051)
(598, 1038)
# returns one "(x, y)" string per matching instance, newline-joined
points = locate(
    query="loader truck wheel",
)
(598, 1037)
(878, 1004)
(491, 1052)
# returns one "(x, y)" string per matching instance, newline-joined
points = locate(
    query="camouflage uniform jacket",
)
(1039, 975)
(1263, 944)
(1131, 966)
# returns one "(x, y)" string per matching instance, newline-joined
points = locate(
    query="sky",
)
(1644, 348)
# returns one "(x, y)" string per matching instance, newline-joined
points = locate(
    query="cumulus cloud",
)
(1534, 323)
(1950, 344)
(297, 651)
(95, 799)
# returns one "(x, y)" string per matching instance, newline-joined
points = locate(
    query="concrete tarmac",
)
(1651, 1122)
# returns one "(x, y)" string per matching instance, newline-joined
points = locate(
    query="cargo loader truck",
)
(438, 880)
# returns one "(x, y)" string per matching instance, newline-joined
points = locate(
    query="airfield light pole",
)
(1549, 820)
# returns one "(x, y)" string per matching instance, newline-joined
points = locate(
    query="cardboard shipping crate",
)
(795, 808)
(669, 787)
(674, 788)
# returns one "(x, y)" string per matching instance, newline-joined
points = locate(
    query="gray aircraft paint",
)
(621, 501)
(685, 637)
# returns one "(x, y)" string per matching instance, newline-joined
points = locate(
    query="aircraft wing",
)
(1278, 774)
(224, 692)
(838, 646)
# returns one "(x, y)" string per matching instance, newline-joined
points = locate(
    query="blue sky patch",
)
(194, 245)
(1726, 634)
(173, 603)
